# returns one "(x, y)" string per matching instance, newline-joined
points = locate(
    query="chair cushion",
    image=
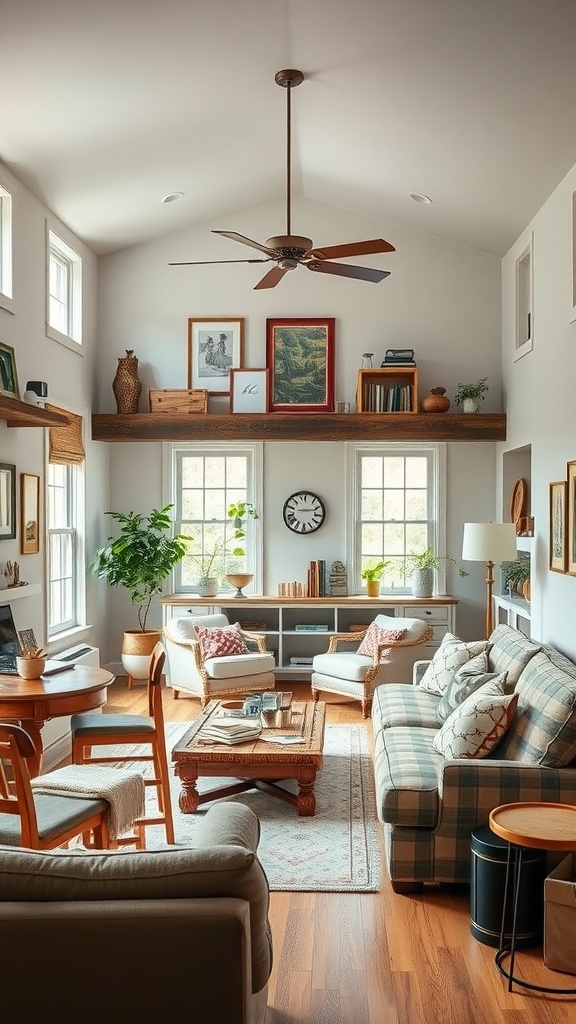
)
(239, 665)
(343, 665)
(376, 635)
(220, 641)
(54, 814)
(95, 724)
(407, 777)
(544, 730)
(474, 728)
(403, 704)
(450, 656)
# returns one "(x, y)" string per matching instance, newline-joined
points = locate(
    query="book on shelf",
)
(310, 627)
(300, 660)
(317, 578)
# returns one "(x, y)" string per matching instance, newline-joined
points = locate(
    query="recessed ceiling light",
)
(419, 197)
(173, 197)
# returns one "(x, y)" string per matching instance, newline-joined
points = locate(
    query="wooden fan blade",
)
(347, 270)
(272, 278)
(247, 241)
(199, 263)
(366, 248)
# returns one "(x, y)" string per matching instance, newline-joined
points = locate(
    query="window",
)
(65, 568)
(205, 481)
(524, 300)
(64, 314)
(396, 507)
(5, 248)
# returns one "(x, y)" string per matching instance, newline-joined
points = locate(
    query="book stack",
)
(399, 357)
(231, 730)
(317, 579)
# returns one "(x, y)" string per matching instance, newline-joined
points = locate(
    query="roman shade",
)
(66, 444)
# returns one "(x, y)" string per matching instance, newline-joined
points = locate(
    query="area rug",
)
(336, 850)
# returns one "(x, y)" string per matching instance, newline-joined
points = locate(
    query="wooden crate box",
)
(176, 401)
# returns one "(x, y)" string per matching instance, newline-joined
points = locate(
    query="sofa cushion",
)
(474, 728)
(403, 704)
(220, 642)
(376, 635)
(544, 730)
(470, 677)
(406, 771)
(449, 657)
(510, 651)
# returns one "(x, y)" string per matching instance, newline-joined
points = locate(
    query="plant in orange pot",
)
(372, 574)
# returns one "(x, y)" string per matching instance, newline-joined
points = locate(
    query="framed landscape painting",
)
(300, 358)
(215, 346)
(29, 514)
(558, 526)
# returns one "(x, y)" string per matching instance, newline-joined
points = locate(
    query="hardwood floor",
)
(380, 958)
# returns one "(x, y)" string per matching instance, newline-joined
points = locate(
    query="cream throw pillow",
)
(474, 728)
(450, 656)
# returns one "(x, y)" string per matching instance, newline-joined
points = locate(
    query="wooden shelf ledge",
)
(148, 426)
(22, 414)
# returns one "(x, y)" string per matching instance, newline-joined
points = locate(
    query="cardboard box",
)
(177, 401)
(560, 917)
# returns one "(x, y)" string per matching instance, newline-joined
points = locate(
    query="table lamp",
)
(490, 543)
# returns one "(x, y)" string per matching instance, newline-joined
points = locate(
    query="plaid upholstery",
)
(429, 804)
(544, 729)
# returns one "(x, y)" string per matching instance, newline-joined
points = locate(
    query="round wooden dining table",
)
(31, 702)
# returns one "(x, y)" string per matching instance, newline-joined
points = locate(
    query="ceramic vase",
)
(423, 582)
(470, 405)
(126, 384)
(372, 588)
(207, 586)
(436, 401)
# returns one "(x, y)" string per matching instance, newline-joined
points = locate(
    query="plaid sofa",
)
(429, 804)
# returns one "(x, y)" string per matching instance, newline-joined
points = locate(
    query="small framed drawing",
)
(249, 390)
(558, 526)
(571, 519)
(300, 358)
(215, 346)
(573, 256)
(8, 374)
(29, 514)
(7, 501)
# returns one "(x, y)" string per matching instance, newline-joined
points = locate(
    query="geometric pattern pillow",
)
(450, 656)
(218, 641)
(477, 725)
(468, 679)
(378, 635)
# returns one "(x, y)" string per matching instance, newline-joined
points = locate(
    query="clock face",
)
(304, 512)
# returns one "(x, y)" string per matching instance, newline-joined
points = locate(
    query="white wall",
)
(443, 300)
(71, 383)
(540, 398)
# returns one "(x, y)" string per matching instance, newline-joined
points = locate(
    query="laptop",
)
(10, 647)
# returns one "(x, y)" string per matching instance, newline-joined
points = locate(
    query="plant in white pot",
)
(139, 559)
(372, 575)
(219, 559)
(420, 569)
(469, 396)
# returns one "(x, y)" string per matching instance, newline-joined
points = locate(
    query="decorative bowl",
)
(239, 579)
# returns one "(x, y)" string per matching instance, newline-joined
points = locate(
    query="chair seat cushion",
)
(343, 665)
(235, 665)
(96, 724)
(54, 814)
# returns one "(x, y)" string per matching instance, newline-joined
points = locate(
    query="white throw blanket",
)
(122, 790)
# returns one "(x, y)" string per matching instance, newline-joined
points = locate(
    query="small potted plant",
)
(372, 574)
(469, 396)
(420, 568)
(516, 576)
(214, 563)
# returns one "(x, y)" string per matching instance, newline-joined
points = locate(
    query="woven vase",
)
(126, 384)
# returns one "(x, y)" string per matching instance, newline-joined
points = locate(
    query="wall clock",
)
(304, 512)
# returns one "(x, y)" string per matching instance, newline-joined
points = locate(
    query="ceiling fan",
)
(290, 251)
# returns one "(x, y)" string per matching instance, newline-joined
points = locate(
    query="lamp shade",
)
(489, 542)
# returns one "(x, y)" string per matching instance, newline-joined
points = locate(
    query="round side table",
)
(542, 826)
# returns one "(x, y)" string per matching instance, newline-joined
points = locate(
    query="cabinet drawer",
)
(431, 613)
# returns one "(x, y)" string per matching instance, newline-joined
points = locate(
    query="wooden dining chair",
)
(93, 730)
(41, 821)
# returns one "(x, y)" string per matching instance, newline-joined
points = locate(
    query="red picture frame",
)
(300, 360)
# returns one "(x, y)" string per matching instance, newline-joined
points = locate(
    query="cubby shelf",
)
(148, 426)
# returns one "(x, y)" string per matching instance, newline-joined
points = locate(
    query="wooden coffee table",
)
(255, 764)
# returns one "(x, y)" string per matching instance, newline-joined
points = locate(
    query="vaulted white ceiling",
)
(108, 105)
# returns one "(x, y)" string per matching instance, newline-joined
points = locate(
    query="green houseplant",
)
(516, 576)
(469, 396)
(372, 574)
(419, 567)
(139, 559)
(213, 564)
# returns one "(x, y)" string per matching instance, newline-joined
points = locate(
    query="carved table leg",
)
(189, 797)
(306, 800)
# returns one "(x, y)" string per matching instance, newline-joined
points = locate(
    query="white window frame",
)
(171, 456)
(57, 248)
(75, 527)
(437, 502)
(6, 246)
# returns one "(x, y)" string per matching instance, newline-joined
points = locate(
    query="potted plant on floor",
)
(372, 574)
(219, 556)
(469, 396)
(139, 559)
(420, 569)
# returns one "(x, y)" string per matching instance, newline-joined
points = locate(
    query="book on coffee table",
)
(226, 730)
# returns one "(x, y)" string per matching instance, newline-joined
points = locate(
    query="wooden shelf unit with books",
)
(389, 389)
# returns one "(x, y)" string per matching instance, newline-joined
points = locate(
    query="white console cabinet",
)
(280, 618)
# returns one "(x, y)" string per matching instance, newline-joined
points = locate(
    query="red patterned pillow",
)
(217, 641)
(378, 635)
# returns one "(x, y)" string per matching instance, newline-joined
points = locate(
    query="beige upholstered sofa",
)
(177, 934)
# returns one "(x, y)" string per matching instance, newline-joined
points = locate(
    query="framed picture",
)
(572, 316)
(29, 514)
(558, 526)
(248, 390)
(215, 346)
(7, 501)
(571, 518)
(8, 375)
(300, 358)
